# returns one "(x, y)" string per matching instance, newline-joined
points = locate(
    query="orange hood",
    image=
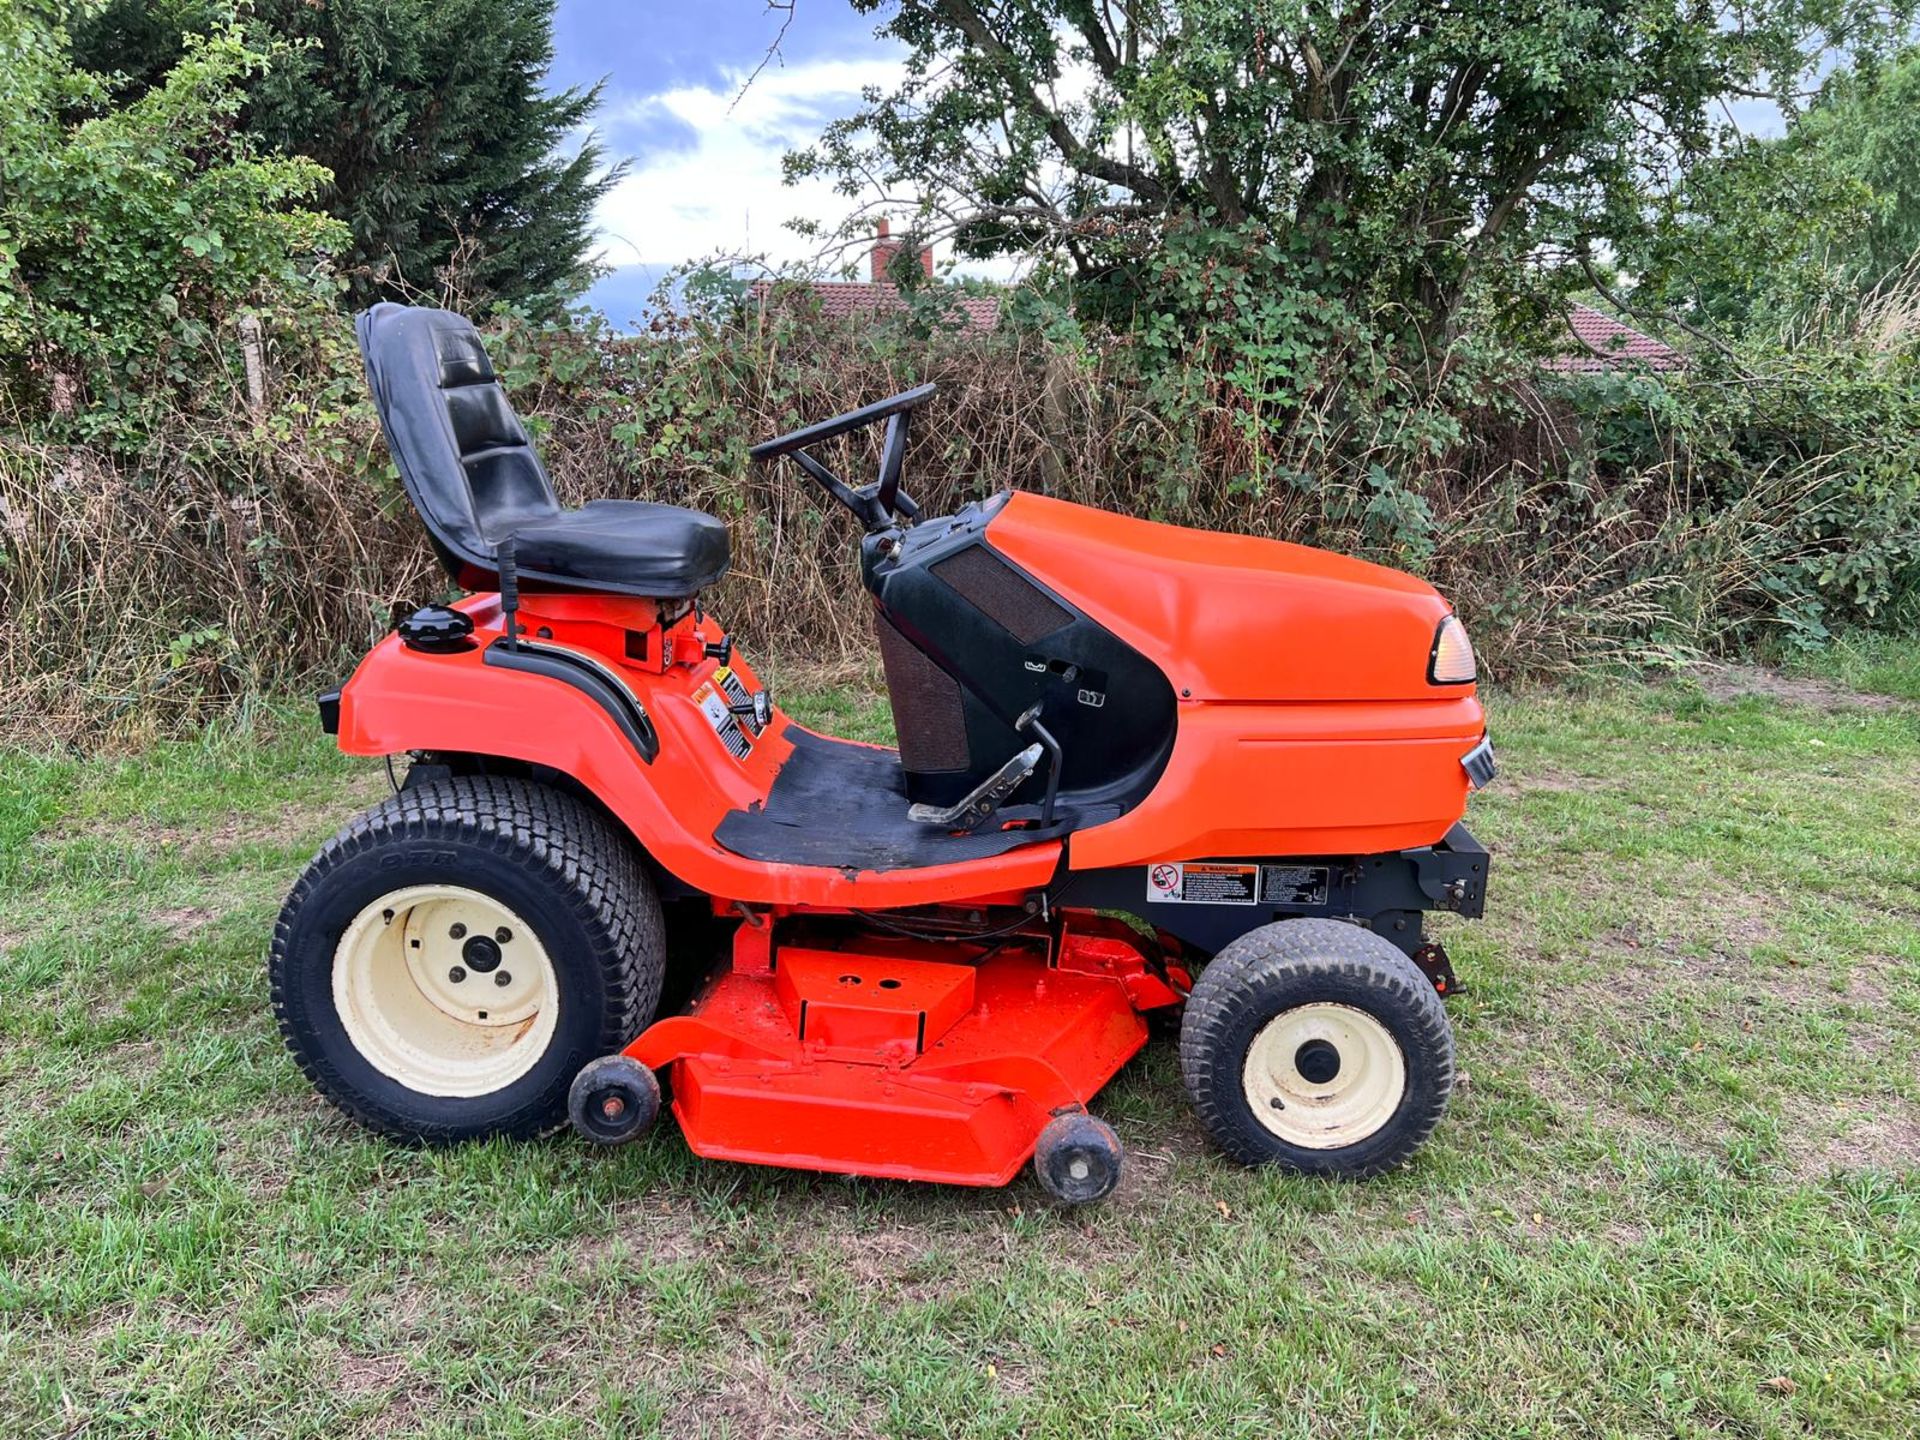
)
(1233, 617)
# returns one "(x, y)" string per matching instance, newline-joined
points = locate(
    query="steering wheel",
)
(883, 504)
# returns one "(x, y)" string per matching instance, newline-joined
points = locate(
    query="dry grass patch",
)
(1742, 682)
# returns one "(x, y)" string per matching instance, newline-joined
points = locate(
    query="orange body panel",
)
(848, 1007)
(1247, 780)
(1232, 617)
(948, 1075)
(400, 700)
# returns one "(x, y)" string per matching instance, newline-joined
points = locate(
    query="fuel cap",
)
(436, 630)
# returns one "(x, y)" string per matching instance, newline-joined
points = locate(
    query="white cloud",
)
(723, 192)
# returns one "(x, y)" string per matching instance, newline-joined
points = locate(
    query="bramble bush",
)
(130, 235)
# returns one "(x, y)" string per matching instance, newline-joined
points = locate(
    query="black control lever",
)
(503, 559)
(1030, 721)
(759, 710)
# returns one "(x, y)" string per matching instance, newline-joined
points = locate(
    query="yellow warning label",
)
(1203, 883)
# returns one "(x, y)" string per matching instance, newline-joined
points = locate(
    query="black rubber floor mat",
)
(845, 805)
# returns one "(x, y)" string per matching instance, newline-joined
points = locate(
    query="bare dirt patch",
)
(744, 1395)
(1579, 1100)
(652, 1234)
(183, 921)
(326, 1299)
(1858, 1134)
(914, 1264)
(1865, 985)
(362, 1375)
(288, 825)
(1702, 927)
(1741, 682)
(1548, 780)
(399, 1416)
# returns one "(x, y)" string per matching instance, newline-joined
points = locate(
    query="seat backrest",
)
(463, 455)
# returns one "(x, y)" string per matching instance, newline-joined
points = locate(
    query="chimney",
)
(886, 249)
(883, 252)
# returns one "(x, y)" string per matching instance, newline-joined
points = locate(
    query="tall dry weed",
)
(242, 554)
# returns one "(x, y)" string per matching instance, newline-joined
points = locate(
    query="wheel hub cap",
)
(1324, 1076)
(482, 954)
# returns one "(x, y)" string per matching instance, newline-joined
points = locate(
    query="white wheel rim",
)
(1324, 1076)
(424, 1004)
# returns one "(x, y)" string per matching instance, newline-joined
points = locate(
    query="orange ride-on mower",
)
(1140, 768)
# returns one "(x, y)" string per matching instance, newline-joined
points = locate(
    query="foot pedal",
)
(985, 799)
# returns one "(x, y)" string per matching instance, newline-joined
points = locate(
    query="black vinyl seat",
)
(473, 476)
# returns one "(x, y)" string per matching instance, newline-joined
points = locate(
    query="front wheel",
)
(1318, 1047)
(451, 959)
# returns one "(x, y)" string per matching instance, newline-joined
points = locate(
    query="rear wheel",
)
(1319, 1047)
(452, 958)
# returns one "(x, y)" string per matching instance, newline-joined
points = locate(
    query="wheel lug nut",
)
(503, 934)
(458, 932)
(456, 974)
(502, 979)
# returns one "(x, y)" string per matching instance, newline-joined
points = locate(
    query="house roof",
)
(841, 298)
(1603, 343)
(1600, 343)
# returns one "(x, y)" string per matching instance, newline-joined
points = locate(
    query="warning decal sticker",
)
(1203, 884)
(1293, 884)
(723, 721)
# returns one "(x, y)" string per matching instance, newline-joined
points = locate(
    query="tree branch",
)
(1641, 312)
(1076, 153)
(773, 50)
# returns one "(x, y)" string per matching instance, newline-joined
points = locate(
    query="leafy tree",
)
(1866, 127)
(449, 162)
(128, 235)
(1749, 241)
(1757, 238)
(1385, 156)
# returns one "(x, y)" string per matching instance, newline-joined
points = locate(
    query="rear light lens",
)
(1452, 659)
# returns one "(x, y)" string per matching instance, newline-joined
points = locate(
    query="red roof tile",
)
(1602, 343)
(841, 298)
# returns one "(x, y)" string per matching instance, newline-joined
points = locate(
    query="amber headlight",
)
(1452, 660)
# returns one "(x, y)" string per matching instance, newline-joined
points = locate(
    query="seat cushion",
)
(633, 545)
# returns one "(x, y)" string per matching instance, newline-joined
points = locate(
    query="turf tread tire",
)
(594, 870)
(1293, 962)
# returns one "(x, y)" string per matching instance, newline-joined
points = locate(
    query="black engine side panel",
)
(976, 641)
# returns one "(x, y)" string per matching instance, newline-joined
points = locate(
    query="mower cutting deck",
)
(893, 1060)
(1258, 754)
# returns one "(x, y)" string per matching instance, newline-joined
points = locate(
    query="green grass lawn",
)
(1677, 1194)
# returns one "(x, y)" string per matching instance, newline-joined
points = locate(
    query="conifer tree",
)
(449, 159)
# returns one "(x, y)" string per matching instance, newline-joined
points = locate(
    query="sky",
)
(704, 159)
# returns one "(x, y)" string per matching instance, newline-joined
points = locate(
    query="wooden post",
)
(253, 349)
(1056, 420)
